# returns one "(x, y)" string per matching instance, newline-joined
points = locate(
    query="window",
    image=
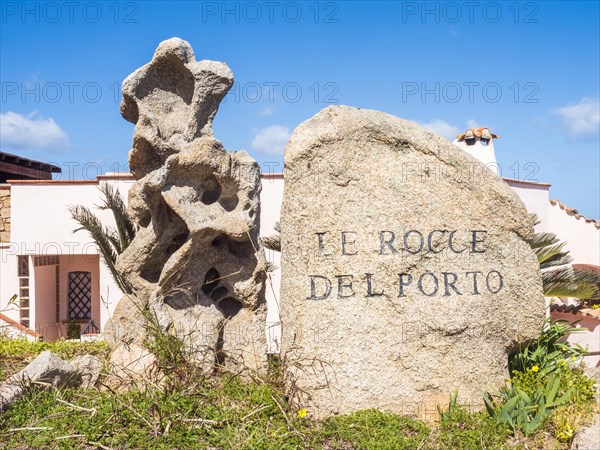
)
(23, 273)
(80, 295)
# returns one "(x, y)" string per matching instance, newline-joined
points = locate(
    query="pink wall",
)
(45, 302)
(590, 340)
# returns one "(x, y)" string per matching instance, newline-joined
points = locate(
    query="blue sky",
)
(528, 70)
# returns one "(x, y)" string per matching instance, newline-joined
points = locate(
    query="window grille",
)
(80, 295)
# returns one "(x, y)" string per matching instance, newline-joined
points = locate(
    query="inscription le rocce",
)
(430, 284)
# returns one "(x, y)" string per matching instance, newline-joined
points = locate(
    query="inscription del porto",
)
(412, 242)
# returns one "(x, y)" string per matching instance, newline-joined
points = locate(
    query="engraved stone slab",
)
(406, 272)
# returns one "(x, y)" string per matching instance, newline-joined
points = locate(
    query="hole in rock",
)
(219, 241)
(229, 306)
(177, 243)
(211, 280)
(242, 249)
(145, 221)
(229, 202)
(218, 293)
(151, 274)
(211, 191)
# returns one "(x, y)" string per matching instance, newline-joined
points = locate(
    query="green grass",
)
(195, 411)
(229, 413)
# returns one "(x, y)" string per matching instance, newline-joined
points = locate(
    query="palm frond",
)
(559, 279)
(271, 267)
(104, 238)
(273, 242)
(126, 229)
(549, 251)
(543, 240)
(570, 282)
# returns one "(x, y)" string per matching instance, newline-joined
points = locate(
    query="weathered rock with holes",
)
(195, 262)
(406, 273)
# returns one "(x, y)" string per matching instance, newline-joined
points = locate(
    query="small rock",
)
(89, 368)
(47, 369)
(589, 437)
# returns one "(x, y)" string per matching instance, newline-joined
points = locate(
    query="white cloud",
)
(271, 140)
(267, 111)
(472, 123)
(443, 128)
(449, 131)
(31, 132)
(581, 120)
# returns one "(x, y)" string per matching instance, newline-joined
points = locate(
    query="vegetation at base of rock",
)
(230, 411)
(546, 376)
(17, 353)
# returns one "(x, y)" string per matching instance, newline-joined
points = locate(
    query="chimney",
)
(479, 143)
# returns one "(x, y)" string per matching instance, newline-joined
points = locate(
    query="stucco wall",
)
(9, 283)
(583, 238)
(45, 302)
(271, 199)
(589, 340)
(536, 199)
(42, 225)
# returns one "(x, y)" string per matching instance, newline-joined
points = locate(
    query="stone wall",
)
(4, 215)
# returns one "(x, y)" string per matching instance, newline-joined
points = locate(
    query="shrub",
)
(545, 376)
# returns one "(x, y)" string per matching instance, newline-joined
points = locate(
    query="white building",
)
(59, 277)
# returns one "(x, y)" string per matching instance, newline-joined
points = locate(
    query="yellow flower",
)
(302, 413)
(573, 358)
(535, 368)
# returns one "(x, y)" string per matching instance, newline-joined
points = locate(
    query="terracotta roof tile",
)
(482, 133)
(575, 309)
(574, 213)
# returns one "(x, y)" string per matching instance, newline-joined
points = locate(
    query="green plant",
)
(273, 242)
(544, 376)
(111, 242)
(12, 302)
(73, 330)
(168, 348)
(527, 411)
(460, 429)
(547, 351)
(372, 429)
